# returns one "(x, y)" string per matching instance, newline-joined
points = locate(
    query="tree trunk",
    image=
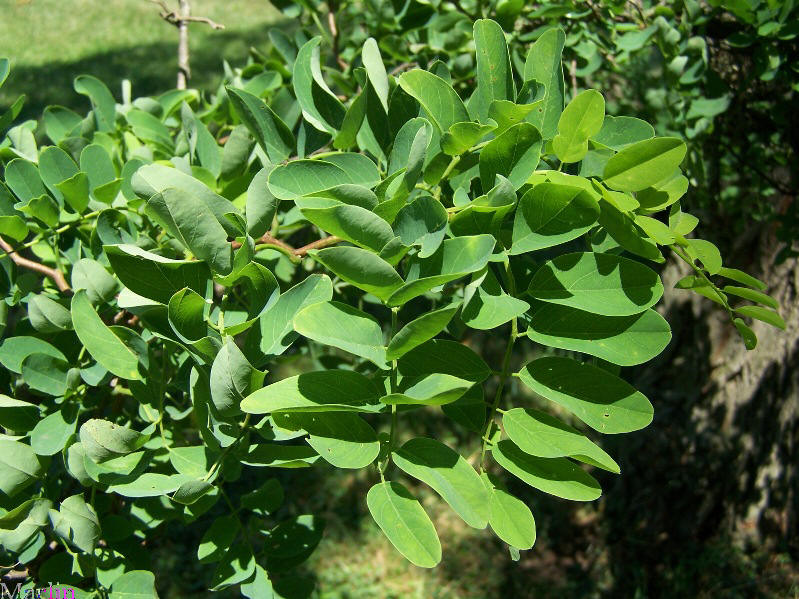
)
(184, 70)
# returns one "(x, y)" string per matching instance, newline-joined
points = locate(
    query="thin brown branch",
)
(318, 245)
(300, 252)
(402, 66)
(206, 20)
(173, 17)
(331, 23)
(56, 275)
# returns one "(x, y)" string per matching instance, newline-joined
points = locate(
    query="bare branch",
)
(56, 275)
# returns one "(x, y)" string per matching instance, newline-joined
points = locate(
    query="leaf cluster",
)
(280, 274)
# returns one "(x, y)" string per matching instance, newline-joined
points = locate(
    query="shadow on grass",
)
(152, 69)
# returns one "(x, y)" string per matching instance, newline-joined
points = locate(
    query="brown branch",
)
(318, 245)
(331, 23)
(300, 251)
(56, 275)
(173, 17)
(181, 19)
(402, 66)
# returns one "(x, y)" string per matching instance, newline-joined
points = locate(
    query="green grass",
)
(49, 42)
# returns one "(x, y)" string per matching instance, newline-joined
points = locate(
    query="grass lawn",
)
(49, 42)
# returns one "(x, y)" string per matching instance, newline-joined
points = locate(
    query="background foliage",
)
(649, 61)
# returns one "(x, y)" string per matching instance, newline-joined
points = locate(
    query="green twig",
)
(505, 373)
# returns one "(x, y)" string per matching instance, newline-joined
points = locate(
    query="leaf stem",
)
(450, 167)
(505, 373)
(227, 449)
(393, 386)
(681, 253)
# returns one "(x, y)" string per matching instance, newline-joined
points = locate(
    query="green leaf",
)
(764, 314)
(14, 350)
(201, 143)
(261, 204)
(622, 228)
(707, 253)
(489, 306)
(17, 415)
(55, 166)
(44, 208)
(618, 132)
(276, 326)
(320, 106)
(75, 191)
(602, 400)
(455, 258)
(403, 520)
(361, 268)
(461, 137)
(76, 522)
(622, 340)
(156, 277)
(321, 391)
(100, 341)
(599, 283)
(551, 214)
(218, 539)
(280, 456)
(345, 327)
(103, 440)
(103, 103)
(271, 132)
(19, 466)
(544, 436)
(376, 70)
(149, 484)
(193, 224)
(46, 374)
(47, 315)
(191, 492)
(90, 275)
(98, 166)
(441, 356)
(232, 378)
(307, 177)
(494, 72)
(449, 474)
(441, 103)
(747, 334)
(21, 524)
(511, 520)
(353, 223)
(752, 295)
(51, 433)
(422, 221)
(543, 64)
(434, 389)
(557, 476)
(59, 122)
(22, 177)
(514, 154)
(644, 163)
(581, 119)
(421, 329)
(191, 461)
(343, 439)
(134, 584)
(236, 565)
(741, 277)
(663, 193)
(154, 178)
